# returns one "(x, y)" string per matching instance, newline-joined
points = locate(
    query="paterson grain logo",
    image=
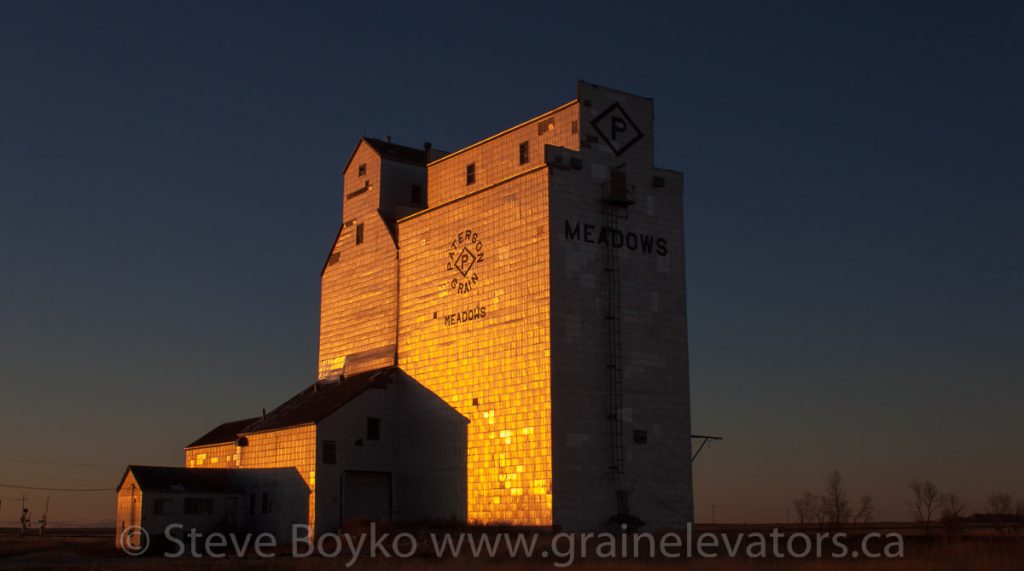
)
(465, 254)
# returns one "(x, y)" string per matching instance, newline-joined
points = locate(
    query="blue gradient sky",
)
(170, 184)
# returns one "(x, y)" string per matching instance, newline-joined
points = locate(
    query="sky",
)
(170, 181)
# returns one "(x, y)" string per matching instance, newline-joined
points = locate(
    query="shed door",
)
(367, 495)
(231, 513)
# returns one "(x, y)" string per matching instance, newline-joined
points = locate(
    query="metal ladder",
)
(615, 203)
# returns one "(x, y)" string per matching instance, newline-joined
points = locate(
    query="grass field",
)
(93, 550)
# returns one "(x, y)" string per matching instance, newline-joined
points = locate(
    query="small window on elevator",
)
(330, 452)
(470, 173)
(372, 428)
(359, 233)
(524, 152)
(545, 125)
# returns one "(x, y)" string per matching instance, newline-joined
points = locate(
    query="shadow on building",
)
(373, 446)
(171, 501)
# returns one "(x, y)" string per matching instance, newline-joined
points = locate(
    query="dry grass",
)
(96, 552)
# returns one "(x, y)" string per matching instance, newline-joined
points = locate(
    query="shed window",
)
(470, 173)
(195, 506)
(372, 428)
(524, 152)
(330, 452)
(359, 233)
(362, 169)
(161, 507)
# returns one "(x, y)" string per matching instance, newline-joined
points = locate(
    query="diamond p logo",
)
(464, 262)
(617, 129)
(465, 254)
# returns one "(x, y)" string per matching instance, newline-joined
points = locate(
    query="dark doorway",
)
(366, 495)
(231, 513)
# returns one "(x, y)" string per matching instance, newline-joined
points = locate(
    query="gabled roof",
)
(223, 434)
(319, 400)
(311, 405)
(168, 479)
(395, 152)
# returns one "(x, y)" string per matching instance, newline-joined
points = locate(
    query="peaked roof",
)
(224, 433)
(173, 479)
(311, 405)
(395, 152)
(319, 400)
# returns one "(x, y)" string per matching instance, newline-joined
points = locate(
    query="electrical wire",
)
(50, 463)
(37, 488)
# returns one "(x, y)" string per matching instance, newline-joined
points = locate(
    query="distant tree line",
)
(928, 505)
(832, 510)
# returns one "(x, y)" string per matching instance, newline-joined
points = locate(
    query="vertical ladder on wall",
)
(615, 203)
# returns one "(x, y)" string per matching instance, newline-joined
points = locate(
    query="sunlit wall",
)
(474, 328)
(358, 285)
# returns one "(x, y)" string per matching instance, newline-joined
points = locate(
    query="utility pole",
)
(46, 511)
(24, 520)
